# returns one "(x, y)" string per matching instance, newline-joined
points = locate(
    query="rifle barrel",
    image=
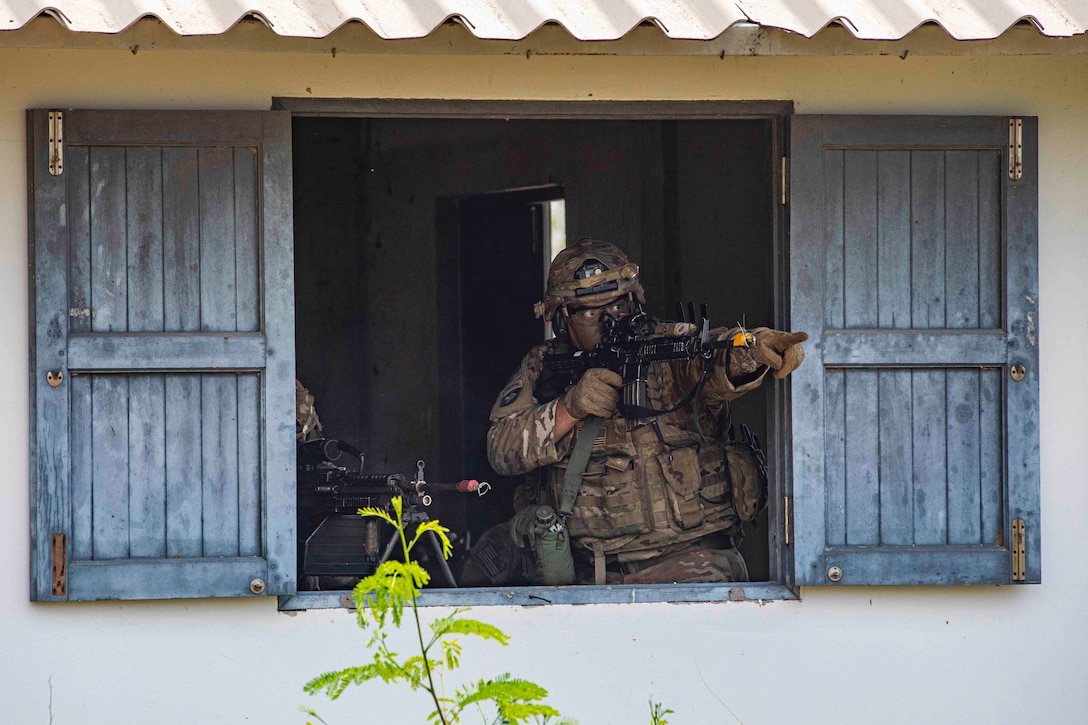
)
(467, 486)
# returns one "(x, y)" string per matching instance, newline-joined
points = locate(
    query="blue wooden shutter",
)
(163, 463)
(914, 269)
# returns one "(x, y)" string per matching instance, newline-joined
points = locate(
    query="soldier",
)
(307, 424)
(661, 499)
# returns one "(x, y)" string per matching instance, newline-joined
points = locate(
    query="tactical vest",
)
(643, 492)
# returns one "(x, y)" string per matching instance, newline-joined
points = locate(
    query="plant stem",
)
(427, 666)
(419, 633)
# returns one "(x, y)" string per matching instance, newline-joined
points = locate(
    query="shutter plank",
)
(834, 230)
(163, 579)
(989, 240)
(1022, 315)
(922, 132)
(964, 507)
(929, 462)
(811, 257)
(835, 455)
(81, 430)
(168, 128)
(914, 348)
(218, 308)
(184, 475)
(277, 385)
(962, 239)
(219, 412)
(147, 466)
(143, 205)
(245, 240)
(110, 486)
(109, 308)
(181, 240)
(927, 240)
(171, 351)
(249, 473)
(859, 242)
(896, 461)
(893, 244)
(81, 446)
(147, 404)
(991, 456)
(50, 503)
(78, 172)
(227, 201)
(894, 566)
(862, 458)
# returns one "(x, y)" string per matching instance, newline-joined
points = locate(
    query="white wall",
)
(862, 655)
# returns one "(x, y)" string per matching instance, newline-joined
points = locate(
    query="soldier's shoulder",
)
(535, 356)
(516, 395)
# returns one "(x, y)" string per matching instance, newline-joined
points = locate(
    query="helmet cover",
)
(589, 274)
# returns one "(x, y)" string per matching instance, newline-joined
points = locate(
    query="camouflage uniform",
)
(654, 505)
(307, 424)
(659, 501)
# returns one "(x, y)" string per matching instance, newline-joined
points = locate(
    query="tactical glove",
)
(597, 393)
(780, 351)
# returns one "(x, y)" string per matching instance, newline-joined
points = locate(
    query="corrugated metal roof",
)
(584, 19)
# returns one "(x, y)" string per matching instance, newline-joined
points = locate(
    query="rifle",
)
(628, 347)
(342, 544)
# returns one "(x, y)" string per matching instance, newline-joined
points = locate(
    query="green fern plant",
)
(380, 603)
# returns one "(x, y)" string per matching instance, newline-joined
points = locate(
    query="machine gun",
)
(340, 545)
(628, 347)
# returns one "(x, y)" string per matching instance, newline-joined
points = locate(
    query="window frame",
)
(780, 585)
(1021, 216)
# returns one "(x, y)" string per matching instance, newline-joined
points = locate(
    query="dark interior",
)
(418, 255)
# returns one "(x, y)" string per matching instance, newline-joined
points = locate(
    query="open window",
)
(422, 243)
(165, 318)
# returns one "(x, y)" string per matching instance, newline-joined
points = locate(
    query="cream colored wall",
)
(862, 655)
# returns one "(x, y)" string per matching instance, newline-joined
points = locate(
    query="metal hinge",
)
(59, 565)
(56, 143)
(1016, 148)
(787, 520)
(1019, 555)
(784, 179)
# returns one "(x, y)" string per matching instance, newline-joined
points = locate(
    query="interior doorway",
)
(503, 244)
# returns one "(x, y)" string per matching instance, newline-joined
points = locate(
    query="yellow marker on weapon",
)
(743, 338)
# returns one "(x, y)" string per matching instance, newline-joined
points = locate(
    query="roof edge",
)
(251, 34)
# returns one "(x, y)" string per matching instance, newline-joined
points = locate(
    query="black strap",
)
(576, 465)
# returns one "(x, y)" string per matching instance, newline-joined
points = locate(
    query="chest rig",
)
(650, 484)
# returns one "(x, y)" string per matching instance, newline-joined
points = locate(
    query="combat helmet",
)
(588, 274)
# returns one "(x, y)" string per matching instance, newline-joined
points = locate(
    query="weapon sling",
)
(572, 481)
(576, 466)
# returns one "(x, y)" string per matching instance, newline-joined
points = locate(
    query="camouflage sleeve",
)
(521, 435)
(735, 372)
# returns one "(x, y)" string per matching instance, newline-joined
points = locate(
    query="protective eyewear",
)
(592, 315)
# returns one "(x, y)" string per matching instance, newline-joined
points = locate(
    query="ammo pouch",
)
(745, 469)
(715, 473)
